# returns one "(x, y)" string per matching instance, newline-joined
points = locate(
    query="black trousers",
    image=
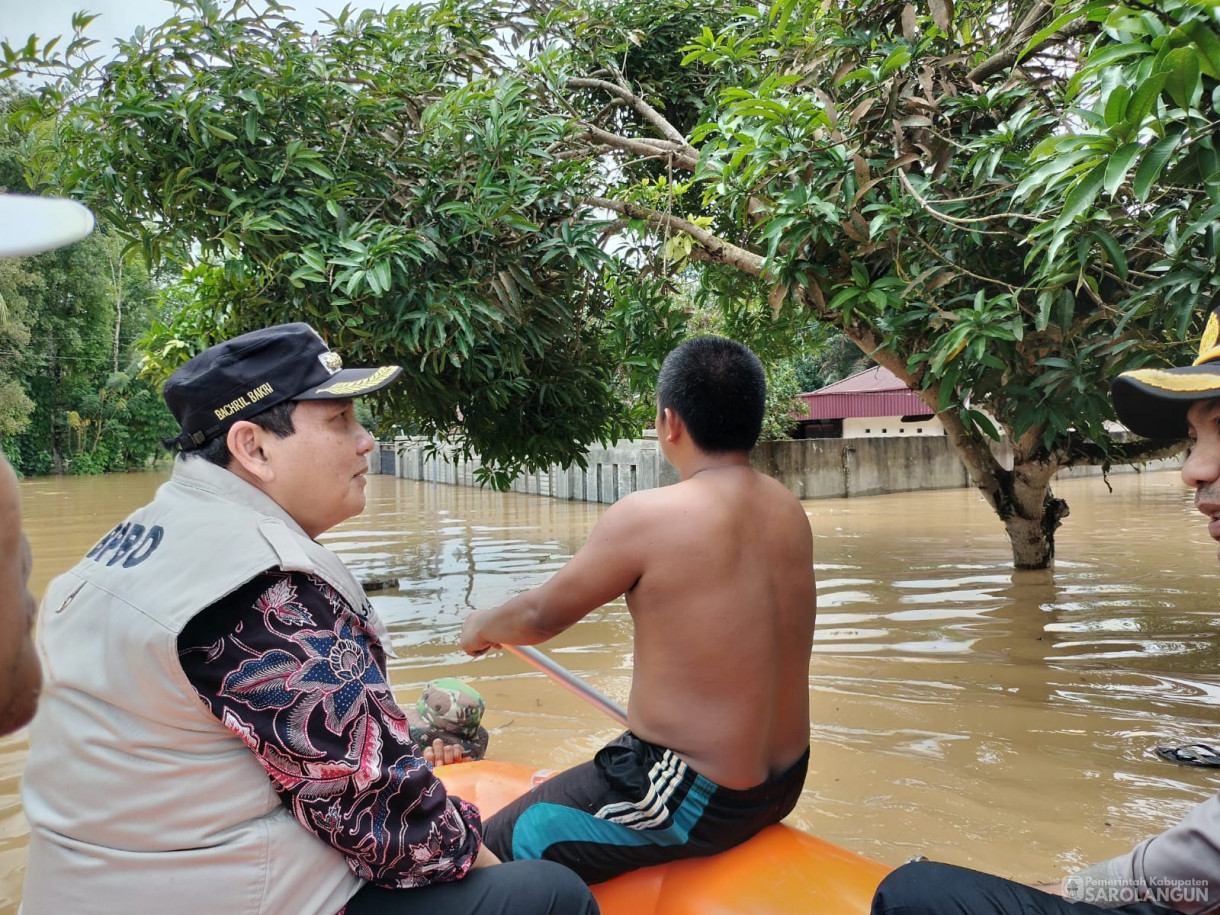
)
(511, 888)
(927, 888)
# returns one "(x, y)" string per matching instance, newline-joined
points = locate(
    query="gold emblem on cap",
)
(332, 362)
(359, 387)
(1207, 346)
(1168, 381)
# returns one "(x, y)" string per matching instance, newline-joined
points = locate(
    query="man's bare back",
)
(724, 612)
(718, 574)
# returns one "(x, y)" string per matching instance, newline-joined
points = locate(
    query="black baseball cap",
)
(242, 377)
(1153, 402)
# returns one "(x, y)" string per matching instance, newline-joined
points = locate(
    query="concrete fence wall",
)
(811, 469)
(846, 467)
(611, 473)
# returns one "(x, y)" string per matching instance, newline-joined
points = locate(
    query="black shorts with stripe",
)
(634, 805)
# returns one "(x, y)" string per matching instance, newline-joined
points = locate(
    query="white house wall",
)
(888, 426)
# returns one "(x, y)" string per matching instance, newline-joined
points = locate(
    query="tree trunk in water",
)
(1036, 516)
(1021, 497)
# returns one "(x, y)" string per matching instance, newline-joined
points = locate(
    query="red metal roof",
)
(873, 392)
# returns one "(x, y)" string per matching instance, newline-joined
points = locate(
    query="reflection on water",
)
(961, 711)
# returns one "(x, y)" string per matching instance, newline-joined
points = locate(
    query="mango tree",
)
(963, 189)
(385, 182)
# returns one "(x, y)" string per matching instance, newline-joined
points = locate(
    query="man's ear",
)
(674, 427)
(245, 441)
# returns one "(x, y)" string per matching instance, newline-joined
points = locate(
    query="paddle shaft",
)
(564, 677)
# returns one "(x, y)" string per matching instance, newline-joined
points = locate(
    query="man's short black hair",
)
(719, 389)
(277, 420)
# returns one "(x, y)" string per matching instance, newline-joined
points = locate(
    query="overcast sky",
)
(119, 18)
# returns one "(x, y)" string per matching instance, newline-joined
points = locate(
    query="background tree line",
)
(1004, 203)
(71, 396)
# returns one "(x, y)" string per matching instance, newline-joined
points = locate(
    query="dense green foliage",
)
(71, 399)
(389, 184)
(833, 360)
(996, 201)
(394, 183)
(1127, 190)
(897, 170)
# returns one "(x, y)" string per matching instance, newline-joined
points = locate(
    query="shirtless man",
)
(718, 575)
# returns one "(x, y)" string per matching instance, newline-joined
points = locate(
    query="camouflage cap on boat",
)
(451, 711)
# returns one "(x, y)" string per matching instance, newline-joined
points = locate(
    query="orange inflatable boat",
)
(781, 871)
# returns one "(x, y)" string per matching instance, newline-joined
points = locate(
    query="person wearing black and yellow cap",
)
(1154, 402)
(28, 225)
(1178, 870)
(217, 733)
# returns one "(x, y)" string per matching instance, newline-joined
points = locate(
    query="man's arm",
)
(20, 672)
(606, 567)
(285, 665)
(1178, 868)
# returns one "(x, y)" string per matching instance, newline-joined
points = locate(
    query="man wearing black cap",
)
(216, 732)
(1177, 871)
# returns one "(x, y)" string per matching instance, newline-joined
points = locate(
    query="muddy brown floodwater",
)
(1001, 720)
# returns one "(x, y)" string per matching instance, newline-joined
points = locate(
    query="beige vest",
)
(140, 800)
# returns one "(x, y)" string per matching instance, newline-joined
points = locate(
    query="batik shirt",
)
(285, 664)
